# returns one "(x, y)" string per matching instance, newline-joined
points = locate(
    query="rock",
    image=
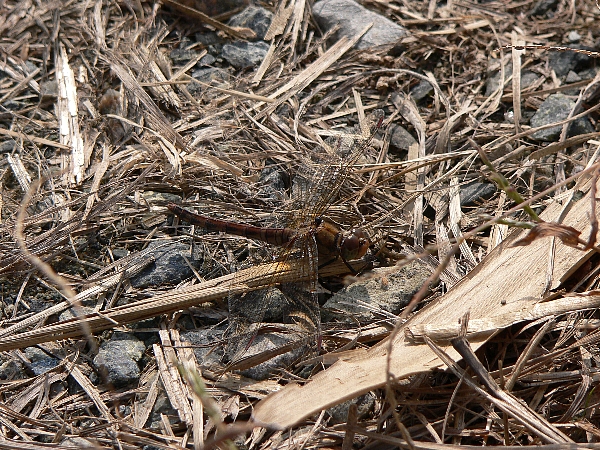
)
(273, 182)
(263, 343)
(70, 313)
(400, 138)
(30, 66)
(152, 197)
(169, 266)
(554, 109)
(120, 252)
(117, 359)
(7, 146)
(180, 56)
(41, 302)
(40, 361)
(391, 296)
(162, 408)
(145, 330)
(421, 90)
(573, 36)
(564, 62)
(493, 82)
(209, 75)
(528, 78)
(243, 54)
(475, 192)
(266, 305)
(254, 17)
(14, 105)
(211, 41)
(353, 18)
(543, 7)
(11, 369)
(49, 90)
(206, 343)
(78, 442)
(206, 60)
(588, 74)
(124, 410)
(572, 77)
(365, 405)
(243, 337)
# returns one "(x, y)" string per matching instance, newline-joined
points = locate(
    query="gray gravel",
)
(353, 18)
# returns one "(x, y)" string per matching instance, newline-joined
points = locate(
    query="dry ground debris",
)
(472, 319)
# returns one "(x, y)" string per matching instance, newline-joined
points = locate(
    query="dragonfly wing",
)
(293, 302)
(320, 191)
(302, 294)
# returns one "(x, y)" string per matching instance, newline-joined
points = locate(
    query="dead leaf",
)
(568, 235)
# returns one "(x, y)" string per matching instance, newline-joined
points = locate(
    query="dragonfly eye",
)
(355, 245)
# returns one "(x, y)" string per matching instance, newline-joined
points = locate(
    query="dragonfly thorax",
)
(333, 243)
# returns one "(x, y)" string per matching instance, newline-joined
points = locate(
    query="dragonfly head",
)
(354, 245)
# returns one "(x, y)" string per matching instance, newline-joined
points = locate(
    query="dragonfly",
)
(310, 240)
(331, 242)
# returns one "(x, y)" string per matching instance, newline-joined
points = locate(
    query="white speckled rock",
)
(353, 18)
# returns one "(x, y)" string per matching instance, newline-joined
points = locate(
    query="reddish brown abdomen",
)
(275, 236)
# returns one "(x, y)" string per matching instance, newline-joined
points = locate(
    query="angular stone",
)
(245, 54)
(169, 266)
(474, 192)
(117, 359)
(353, 18)
(554, 109)
(401, 138)
(362, 298)
(254, 17)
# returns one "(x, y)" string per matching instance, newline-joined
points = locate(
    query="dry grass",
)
(101, 131)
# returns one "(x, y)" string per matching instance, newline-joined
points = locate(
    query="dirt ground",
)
(457, 141)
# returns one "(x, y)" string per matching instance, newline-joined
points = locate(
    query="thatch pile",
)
(112, 110)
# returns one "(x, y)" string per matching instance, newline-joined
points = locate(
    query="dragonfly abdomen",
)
(275, 236)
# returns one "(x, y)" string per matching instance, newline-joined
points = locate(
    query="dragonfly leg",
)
(347, 264)
(331, 261)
